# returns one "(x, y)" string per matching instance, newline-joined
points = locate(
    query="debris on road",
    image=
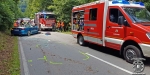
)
(47, 33)
(37, 46)
(29, 60)
(87, 57)
(55, 63)
(45, 58)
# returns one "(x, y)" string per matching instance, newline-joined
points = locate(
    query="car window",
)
(27, 25)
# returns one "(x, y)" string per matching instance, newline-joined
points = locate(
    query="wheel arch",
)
(130, 41)
(79, 34)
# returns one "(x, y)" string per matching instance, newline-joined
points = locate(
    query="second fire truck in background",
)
(48, 17)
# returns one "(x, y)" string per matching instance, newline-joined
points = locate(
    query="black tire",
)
(80, 40)
(29, 33)
(130, 52)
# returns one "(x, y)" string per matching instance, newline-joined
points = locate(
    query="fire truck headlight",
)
(148, 35)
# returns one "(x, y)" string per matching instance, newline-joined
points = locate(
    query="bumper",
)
(46, 27)
(146, 49)
(22, 32)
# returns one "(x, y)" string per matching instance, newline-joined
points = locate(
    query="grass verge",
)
(9, 55)
(15, 62)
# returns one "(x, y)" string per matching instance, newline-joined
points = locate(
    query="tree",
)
(9, 12)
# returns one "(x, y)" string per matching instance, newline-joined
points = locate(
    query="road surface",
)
(59, 54)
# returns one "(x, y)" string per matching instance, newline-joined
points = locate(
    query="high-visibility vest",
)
(15, 24)
(62, 24)
(58, 24)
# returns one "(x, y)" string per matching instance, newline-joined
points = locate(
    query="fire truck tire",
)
(81, 41)
(130, 52)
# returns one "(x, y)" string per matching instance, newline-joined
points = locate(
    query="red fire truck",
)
(119, 24)
(49, 19)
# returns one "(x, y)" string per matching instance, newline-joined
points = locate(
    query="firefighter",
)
(62, 26)
(81, 25)
(42, 21)
(22, 22)
(15, 24)
(58, 25)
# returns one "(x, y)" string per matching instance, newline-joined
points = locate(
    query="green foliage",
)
(62, 8)
(9, 12)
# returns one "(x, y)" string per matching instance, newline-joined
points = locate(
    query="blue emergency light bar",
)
(140, 3)
(126, 2)
(120, 2)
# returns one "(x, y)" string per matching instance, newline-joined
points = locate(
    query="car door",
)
(30, 28)
(115, 33)
(33, 30)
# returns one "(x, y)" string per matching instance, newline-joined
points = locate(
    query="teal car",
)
(27, 29)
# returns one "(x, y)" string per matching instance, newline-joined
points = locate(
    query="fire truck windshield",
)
(137, 15)
(49, 16)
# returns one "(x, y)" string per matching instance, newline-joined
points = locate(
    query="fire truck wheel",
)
(80, 40)
(130, 52)
(29, 33)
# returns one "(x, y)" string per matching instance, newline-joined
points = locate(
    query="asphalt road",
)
(59, 54)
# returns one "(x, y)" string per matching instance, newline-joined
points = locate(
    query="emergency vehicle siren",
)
(127, 2)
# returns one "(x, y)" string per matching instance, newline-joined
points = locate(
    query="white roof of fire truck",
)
(44, 13)
(114, 3)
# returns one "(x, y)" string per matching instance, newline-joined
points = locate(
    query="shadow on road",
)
(113, 52)
(105, 50)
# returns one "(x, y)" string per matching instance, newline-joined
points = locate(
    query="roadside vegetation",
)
(62, 8)
(9, 55)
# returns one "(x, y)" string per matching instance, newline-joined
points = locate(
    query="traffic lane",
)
(112, 56)
(100, 66)
(32, 53)
(104, 53)
(69, 61)
(100, 51)
(96, 50)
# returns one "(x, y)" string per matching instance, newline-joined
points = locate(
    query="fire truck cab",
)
(119, 24)
(48, 17)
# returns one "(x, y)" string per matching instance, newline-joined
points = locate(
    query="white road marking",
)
(24, 61)
(110, 63)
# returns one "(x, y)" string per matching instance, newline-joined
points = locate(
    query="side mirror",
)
(126, 23)
(121, 20)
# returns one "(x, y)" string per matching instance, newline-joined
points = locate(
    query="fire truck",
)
(49, 18)
(118, 24)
